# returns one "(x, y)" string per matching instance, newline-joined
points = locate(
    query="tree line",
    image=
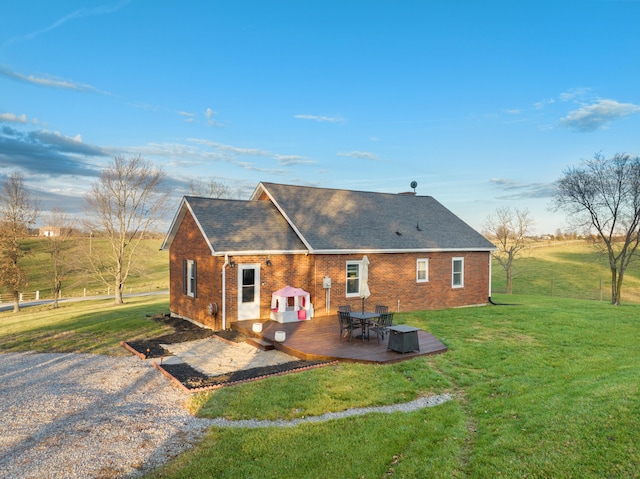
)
(601, 198)
(122, 205)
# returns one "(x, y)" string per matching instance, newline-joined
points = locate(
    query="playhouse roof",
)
(289, 292)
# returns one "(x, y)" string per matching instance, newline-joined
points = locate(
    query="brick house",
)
(227, 257)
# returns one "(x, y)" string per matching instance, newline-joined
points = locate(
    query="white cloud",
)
(515, 190)
(329, 119)
(362, 155)
(211, 120)
(541, 104)
(289, 160)
(13, 118)
(188, 117)
(80, 13)
(574, 93)
(598, 115)
(229, 148)
(49, 82)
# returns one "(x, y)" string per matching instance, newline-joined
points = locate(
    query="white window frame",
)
(355, 294)
(191, 278)
(425, 269)
(454, 273)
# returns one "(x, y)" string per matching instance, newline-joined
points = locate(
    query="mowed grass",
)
(150, 270)
(95, 327)
(546, 388)
(566, 269)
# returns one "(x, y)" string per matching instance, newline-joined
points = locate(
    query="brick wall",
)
(392, 279)
(189, 244)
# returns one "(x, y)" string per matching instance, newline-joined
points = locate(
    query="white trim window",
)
(457, 273)
(191, 278)
(422, 270)
(353, 278)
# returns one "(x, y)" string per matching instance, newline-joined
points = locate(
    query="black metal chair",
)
(380, 309)
(381, 326)
(347, 324)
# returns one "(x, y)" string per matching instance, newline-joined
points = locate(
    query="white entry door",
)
(248, 291)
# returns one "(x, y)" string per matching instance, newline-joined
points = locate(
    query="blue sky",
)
(484, 104)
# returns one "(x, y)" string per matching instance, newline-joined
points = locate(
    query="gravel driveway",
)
(88, 416)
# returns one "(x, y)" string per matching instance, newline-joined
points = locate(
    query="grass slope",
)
(150, 271)
(570, 270)
(95, 327)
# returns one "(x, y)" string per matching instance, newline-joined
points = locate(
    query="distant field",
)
(566, 269)
(150, 272)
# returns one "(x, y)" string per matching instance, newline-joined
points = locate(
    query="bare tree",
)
(59, 247)
(603, 195)
(508, 230)
(212, 189)
(18, 212)
(123, 205)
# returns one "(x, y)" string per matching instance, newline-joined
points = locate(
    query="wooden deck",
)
(319, 339)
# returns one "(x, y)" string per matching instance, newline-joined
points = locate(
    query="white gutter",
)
(224, 291)
(490, 271)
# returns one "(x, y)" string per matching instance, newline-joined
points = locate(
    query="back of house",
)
(227, 257)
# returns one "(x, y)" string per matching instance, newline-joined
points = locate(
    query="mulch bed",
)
(192, 379)
(183, 331)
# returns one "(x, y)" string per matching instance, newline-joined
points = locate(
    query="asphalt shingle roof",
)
(244, 226)
(345, 220)
(323, 220)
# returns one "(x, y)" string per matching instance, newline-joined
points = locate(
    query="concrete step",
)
(259, 343)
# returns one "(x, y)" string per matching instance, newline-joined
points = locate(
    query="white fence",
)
(29, 296)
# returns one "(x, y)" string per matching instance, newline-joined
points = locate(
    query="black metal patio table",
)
(364, 317)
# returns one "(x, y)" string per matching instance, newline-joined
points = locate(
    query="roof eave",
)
(408, 250)
(259, 252)
(177, 220)
(173, 228)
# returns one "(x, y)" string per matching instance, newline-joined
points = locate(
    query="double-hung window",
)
(457, 273)
(422, 270)
(353, 278)
(190, 278)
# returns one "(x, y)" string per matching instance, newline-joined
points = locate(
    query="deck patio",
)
(319, 339)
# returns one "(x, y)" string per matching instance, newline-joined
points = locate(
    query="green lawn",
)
(150, 271)
(544, 389)
(83, 327)
(566, 269)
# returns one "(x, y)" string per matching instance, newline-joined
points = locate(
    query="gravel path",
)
(86, 416)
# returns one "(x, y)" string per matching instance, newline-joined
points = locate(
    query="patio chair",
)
(347, 324)
(380, 309)
(381, 327)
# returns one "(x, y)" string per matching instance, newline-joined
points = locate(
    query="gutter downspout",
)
(490, 271)
(224, 291)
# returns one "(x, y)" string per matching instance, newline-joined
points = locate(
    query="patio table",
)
(364, 317)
